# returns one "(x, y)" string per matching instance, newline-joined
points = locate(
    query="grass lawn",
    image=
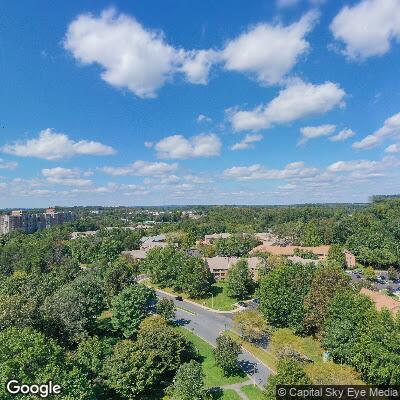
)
(219, 301)
(214, 376)
(282, 338)
(229, 394)
(253, 392)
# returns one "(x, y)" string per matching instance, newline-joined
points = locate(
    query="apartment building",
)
(26, 222)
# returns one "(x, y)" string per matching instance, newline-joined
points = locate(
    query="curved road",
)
(208, 325)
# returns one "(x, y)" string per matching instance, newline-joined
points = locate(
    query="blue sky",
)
(177, 102)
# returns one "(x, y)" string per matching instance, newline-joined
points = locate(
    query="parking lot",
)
(382, 281)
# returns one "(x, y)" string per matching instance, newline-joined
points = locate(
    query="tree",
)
(163, 266)
(324, 286)
(347, 312)
(71, 311)
(239, 283)
(369, 273)
(329, 373)
(118, 276)
(335, 253)
(377, 351)
(226, 354)
(189, 382)
(288, 372)
(252, 325)
(195, 278)
(282, 292)
(166, 308)
(235, 245)
(130, 307)
(392, 273)
(30, 357)
(109, 249)
(135, 368)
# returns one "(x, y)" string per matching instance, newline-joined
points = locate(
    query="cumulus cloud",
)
(297, 101)
(142, 168)
(364, 168)
(141, 60)
(390, 129)
(203, 118)
(393, 148)
(8, 164)
(312, 132)
(51, 145)
(247, 142)
(258, 172)
(65, 176)
(269, 51)
(367, 28)
(179, 147)
(342, 135)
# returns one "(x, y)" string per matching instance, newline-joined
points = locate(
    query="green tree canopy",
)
(226, 354)
(282, 292)
(130, 307)
(239, 283)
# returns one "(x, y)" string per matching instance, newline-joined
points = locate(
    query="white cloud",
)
(203, 118)
(142, 168)
(390, 129)
(8, 164)
(142, 61)
(312, 132)
(247, 142)
(51, 145)
(269, 51)
(131, 56)
(197, 64)
(364, 168)
(65, 176)
(178, 147)
(393, 148)
(342, 135)
(368, 27)
(148, 145)
(258, 172)
(298, 100)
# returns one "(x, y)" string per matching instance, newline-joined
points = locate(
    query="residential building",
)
(219, 266)
(209, 239)
(149, 242)
(18, 220)
(349, 259)
(287, 251)
(135, 254)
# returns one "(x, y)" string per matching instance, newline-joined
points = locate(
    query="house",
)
(149, 242)
(219, 266)
(288, 251)
(209, 239)
(135, 254)
(75, 235)
(349, 259)
(382, 301)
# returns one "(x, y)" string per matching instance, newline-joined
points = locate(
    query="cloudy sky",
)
(198, 102)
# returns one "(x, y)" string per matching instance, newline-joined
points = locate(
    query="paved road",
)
(209, 325)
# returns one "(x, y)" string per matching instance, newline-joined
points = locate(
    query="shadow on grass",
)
(215, 393)
(216, 290)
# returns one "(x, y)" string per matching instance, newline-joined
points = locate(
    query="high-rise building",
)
(18, 220)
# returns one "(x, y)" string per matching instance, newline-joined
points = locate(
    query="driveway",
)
(208, 325)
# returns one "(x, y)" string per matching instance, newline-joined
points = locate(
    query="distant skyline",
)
(176, 102)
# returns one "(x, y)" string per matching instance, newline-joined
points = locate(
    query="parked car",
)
(179, 298)
(242, 304)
